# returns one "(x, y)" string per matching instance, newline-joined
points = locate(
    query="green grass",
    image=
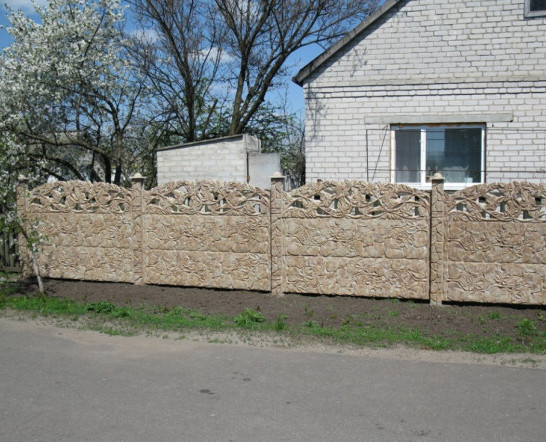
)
(370, 335)
(249, 319)
(280, 323)
(125, 320)
(526, 327)
(491, 316)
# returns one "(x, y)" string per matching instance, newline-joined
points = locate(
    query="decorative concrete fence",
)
(495, 244)
(482, 244)
(356, 239)
(197, 234)
(206, 234)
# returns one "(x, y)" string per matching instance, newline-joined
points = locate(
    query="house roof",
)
(311, 67)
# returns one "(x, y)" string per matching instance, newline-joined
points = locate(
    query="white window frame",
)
(424, 179)
(529, 13)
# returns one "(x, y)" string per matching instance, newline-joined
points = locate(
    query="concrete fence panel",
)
(354, 238)
(496, 247)
(88, 229)
(207, 234)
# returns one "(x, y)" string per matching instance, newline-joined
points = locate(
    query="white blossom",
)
(67, 78)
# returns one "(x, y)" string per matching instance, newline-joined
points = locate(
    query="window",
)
(535, 8)
(457, 152)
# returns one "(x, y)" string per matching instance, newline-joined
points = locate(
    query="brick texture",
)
(463, 61)
(221, 160)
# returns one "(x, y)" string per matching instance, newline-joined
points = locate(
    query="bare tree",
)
(180, 50)
(263, 34)
(234, 51)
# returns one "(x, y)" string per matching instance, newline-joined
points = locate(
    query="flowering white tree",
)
(70, 94)
(8, 164)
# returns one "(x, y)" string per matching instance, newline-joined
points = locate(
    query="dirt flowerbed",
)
(326, 311)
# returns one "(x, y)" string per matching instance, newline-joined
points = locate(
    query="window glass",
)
(435, 149)
(463, 155)
(455, 152)
(537, 5)
(408, 155)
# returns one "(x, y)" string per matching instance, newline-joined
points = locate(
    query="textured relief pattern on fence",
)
(496, 249)
(207, 234)
(88, 229)
(483, 244)
(357, 239)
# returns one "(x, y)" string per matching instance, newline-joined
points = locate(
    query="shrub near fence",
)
(9, 256)
(483, 244)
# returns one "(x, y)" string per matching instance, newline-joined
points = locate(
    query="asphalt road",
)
(68, 385)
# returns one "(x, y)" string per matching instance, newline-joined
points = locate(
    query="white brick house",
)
(432, 85)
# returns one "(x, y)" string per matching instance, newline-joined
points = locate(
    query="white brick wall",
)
(437, 61)
(222, 159)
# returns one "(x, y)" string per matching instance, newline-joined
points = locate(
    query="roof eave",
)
(309, 68)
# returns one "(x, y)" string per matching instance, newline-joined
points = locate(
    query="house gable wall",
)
(431, 61)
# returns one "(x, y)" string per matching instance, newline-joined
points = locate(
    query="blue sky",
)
(293, 92)
(23, 5)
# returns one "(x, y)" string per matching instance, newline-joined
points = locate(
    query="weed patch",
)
(526, 327)
(280, 323)
(100, 307)
(249, 318)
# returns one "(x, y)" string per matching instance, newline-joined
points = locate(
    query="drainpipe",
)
(247, 168)
(367, 159)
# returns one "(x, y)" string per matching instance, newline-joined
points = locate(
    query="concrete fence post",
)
(437, 241)
(22, 213)
(276, 234)
(137, 208)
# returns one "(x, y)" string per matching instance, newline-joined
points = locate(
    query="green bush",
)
(249, 318)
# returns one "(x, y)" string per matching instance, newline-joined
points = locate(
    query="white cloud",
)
(214, 53)
(145, 35)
